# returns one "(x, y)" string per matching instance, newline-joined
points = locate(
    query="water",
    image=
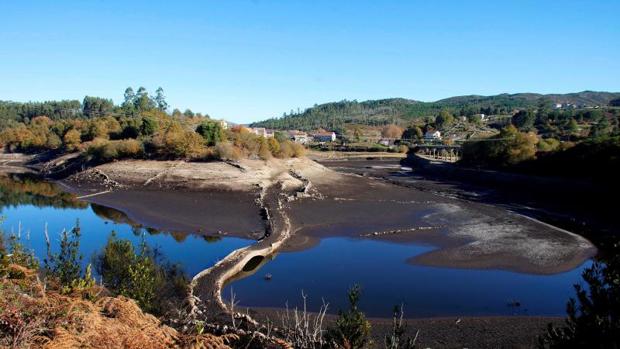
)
(324, 271)
(329, 269)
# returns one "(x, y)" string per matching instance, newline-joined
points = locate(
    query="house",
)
(299, 137)
(223, 124)
(386, 141)
(261, 131)
(432, 135)
(324, 137)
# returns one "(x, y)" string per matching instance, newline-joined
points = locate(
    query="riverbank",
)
(220, 198)
(447, 332)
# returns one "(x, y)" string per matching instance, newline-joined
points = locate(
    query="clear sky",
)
(249, 60)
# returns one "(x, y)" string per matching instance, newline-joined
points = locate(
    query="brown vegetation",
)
(151, 134)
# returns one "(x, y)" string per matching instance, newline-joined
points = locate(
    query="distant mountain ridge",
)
(335, 115)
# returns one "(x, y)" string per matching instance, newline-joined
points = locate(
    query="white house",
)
(324, 137)
(261, 131)
(432, 135)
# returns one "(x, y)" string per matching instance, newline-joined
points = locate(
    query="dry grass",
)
(33, 317)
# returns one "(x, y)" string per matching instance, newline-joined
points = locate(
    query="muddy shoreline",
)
(447, 332)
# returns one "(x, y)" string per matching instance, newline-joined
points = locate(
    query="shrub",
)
(149, 126)
(72, 140)
(298, 150)
(286, 150)
(509, 147)
(274, 145)
(176, 142)
(138, 275)
(351, 329)
(548, 144)
(227, 151)
(104, 150)
(264, 152)
(66, 265)
(594, 317)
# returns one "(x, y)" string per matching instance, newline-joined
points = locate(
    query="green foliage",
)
(444, 119)
(65, 265)
(103, 150)
(594, 316)
(334, 116)
(211, 131)
(138, 275)
(524, 120)
(509, 147)
(160, 100)
(548, 144)
(149, 126)
(351, 329)
(95, 106)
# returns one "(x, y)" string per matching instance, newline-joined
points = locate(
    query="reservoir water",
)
(323, 272)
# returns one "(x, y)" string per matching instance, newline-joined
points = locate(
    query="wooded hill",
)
(335, 115)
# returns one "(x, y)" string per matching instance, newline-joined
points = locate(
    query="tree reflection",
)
(27, 189)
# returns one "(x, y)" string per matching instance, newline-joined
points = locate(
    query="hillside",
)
(399, 110)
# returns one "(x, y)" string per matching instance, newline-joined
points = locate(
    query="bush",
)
(227, 151)
(138, 275)
(176, 142)
(594, 317)
(66, 265)
(298, 150)
(548, 144)
(104, 150)
(351, 330)
(509, 147)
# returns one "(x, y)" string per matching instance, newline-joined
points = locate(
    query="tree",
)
(573, 127)
(413, 132)
(95, 106)
(211, 131)
(142, 101)
(188, 113)
(130, 99)
(392, 131)
(176, 113)
(160, 99)
(524, 120)
(72, 139)
(444, 119)
(508, 148)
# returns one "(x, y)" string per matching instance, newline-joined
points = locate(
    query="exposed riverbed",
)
(438, 255)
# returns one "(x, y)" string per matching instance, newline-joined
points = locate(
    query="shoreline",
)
(510, 331)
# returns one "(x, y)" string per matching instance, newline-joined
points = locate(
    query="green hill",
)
(400, 111)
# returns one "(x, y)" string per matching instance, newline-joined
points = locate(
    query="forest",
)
(140, 127)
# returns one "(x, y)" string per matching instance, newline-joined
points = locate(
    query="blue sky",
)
(249, 60)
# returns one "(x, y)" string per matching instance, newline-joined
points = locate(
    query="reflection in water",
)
(120, 217)
(28, 189)
(322, 272)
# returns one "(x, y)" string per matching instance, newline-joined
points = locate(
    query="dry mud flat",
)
(220, 197)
